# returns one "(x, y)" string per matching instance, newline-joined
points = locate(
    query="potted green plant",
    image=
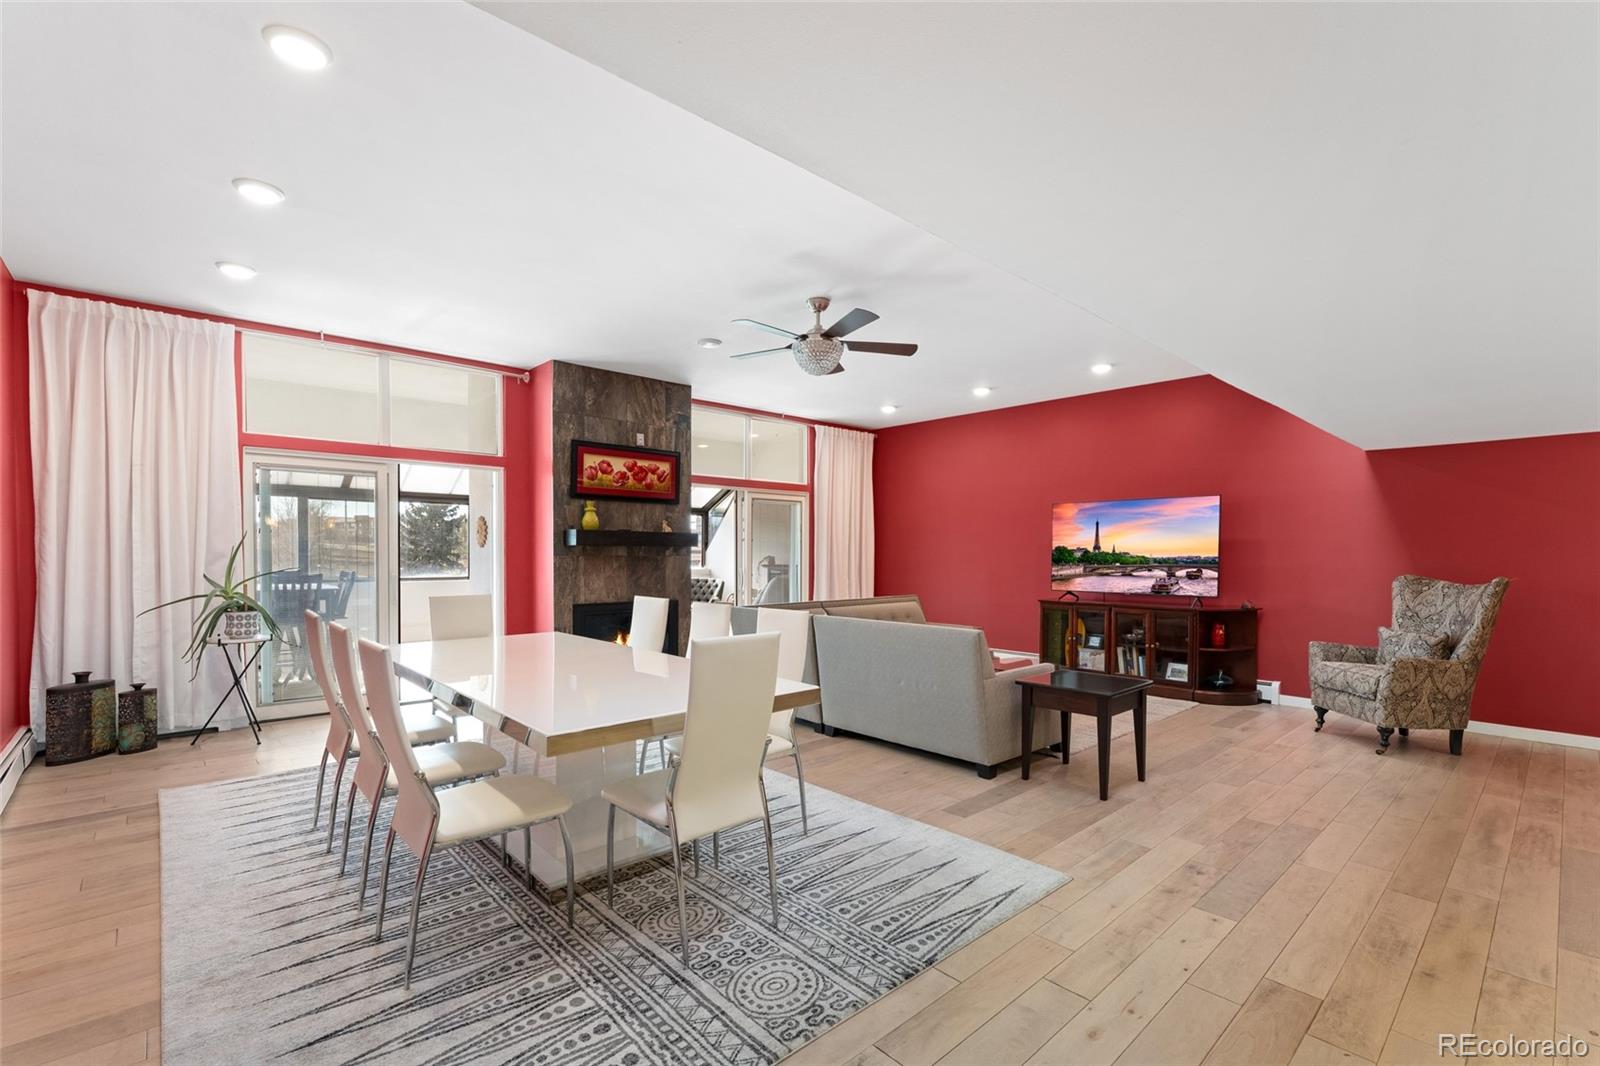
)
(228, 606)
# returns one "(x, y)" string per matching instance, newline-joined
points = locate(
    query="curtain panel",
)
(136, 493)
(843, 499)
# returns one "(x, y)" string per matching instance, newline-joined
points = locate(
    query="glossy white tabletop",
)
(570, 693)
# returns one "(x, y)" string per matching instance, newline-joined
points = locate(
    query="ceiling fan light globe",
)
(817, 355)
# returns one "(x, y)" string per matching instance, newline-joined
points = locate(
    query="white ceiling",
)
(1381, 217)
(458, 185)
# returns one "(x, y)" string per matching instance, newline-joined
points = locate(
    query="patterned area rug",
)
(264, 956)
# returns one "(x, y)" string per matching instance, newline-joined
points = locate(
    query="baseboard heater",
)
(1269, 691)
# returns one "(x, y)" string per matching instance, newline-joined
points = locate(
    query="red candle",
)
(1219, 635)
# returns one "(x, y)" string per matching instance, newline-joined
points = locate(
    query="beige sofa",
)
(886, 672)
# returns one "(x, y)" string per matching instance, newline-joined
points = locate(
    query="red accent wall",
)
(1313, 529)
(539, 509)
(16, 512)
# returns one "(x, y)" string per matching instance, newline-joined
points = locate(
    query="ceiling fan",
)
(819, 350)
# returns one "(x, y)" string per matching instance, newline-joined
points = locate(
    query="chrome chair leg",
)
(316, 804)
(611, 845)
(383, 881)
(677, 873)
(333, 804)
(349, 816)
(644, 746)
(416, 909)
(772, 861)
(366, 851)
(695, 847)
(572, 883)
(716, 849)
(800, 777)
(505, 850)
(527, 853)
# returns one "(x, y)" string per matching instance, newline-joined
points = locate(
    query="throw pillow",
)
(1399, 644)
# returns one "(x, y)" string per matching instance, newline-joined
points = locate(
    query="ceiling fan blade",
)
(836, 370)
(764, 351)
(850, 323)
(762, 325)
(881, 348)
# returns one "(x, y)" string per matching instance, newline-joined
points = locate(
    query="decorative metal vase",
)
(80, 720)
(136, 719)
(240, 625)
(591, 518)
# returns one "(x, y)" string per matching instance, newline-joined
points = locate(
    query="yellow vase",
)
(590, 519)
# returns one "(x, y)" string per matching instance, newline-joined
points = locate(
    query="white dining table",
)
(583, 706)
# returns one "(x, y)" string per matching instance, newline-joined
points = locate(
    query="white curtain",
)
(136, 493)
(843, 500)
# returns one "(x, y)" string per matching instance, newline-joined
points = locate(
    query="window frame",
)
(403, 498)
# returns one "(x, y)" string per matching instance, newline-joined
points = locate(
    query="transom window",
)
(733, 445)
(303, 388)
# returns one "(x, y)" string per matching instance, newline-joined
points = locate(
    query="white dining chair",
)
(794, 643)
(428, 821)
(442, 763)
(715, 784)
(648, 630)
(706, 620)
(341, 742)
(460, 617)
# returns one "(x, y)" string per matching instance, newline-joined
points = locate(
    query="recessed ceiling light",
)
(236, 271)
(709, 342)
(754, 436)
(982, 391)
(257, 192)
(888, 408)
(1101, 369)
(702, 445)
(297, 48)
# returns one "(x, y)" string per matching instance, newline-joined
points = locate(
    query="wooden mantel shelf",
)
(629, 538)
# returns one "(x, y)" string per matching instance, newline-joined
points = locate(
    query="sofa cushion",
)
(1403, 644)
(1357, 679)
(909, 610)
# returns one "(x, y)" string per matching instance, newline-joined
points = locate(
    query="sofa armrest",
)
(1002, 710)
(1326, 651)
(1427, 693)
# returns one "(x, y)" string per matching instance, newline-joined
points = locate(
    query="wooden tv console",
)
(1168, 643)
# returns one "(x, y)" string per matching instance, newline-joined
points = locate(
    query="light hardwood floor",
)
(1269, 895)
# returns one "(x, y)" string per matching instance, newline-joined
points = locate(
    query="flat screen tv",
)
(1164, 547)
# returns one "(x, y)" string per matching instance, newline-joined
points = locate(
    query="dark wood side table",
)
(1084, 692)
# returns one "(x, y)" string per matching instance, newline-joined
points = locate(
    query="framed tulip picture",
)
(610, 471)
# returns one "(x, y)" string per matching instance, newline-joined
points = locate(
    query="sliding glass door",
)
(775, 530)
(753, 544)
(366, 543)
(322, 527)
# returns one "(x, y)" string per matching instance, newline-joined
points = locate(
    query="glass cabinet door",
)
(1089, 638)
(1053, 643)
(1132, 639)
(1171, 647)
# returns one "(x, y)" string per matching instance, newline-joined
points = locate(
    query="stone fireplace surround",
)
(603, 405)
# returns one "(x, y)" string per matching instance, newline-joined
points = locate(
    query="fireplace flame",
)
(622, 638)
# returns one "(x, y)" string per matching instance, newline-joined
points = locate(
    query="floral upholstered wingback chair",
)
(1422, 673)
